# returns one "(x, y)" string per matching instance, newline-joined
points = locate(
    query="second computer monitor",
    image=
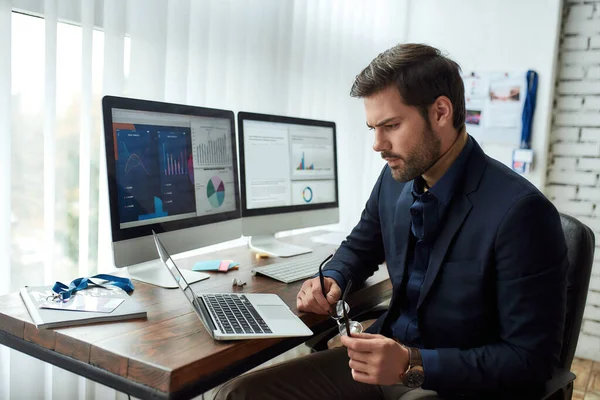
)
(288, 169)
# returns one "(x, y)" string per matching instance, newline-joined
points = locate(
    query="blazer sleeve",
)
(359, 256)
(530, 280)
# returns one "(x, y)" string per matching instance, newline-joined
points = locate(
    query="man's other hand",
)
(376, 359)
(310, 297)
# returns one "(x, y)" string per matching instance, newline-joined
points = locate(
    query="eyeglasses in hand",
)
(341, 310)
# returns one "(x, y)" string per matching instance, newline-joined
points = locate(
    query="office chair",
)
(580, 248)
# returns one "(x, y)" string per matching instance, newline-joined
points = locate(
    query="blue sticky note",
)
(207, 265)
(211, 265)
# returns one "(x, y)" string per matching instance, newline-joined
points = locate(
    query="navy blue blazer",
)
(494, 296)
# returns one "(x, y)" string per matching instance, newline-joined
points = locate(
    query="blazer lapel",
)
(459, 209)
(455, 218)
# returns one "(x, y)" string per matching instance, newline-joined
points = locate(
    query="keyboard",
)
(292, 269)
(235, 314)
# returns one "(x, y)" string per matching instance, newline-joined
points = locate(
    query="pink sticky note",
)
(224, 266)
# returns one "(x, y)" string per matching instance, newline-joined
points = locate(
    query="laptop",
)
(235, 316)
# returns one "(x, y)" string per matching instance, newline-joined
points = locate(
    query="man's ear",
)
(441, 113)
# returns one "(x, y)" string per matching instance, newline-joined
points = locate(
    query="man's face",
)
(402, 136)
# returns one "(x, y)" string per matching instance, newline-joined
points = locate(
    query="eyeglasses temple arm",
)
(321, 277)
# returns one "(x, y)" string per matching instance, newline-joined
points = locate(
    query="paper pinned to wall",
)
(476, 92)
(505, 104)
(494, 104)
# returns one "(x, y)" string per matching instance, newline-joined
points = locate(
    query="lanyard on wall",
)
(523, 157)
(528, 109)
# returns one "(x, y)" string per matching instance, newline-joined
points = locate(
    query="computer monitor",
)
(173, 169)
(288, 173)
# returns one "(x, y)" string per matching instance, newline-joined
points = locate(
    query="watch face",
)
(414, 377)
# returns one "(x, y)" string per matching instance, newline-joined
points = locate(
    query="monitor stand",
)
(155, 273)
(267, 244)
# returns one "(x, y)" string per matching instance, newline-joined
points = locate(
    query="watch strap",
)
(414, 376)
(414, 358)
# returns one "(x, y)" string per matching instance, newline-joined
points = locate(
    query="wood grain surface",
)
(171, 348)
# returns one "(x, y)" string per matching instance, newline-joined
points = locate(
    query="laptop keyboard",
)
(292, 270)
(235, 314)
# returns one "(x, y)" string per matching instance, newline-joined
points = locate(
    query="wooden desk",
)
(170, 355)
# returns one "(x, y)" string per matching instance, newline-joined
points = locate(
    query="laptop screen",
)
(183, 285)
(187, 290)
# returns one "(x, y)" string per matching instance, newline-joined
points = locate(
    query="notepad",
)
(45, 318)
(215, 265)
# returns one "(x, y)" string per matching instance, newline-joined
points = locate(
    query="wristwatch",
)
(414, 375)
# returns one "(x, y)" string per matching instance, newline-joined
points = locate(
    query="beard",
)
(419, 160)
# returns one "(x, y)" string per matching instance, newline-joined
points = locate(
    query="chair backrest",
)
(580, 246)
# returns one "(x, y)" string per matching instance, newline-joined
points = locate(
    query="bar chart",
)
(213, 152)
(303, 166)
(211, 147)
(175, 164)
(173, 150)
(312, 161)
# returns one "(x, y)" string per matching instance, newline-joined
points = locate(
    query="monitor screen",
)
(287, 164)
(170, 165)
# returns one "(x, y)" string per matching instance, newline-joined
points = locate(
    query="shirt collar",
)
(437, 170)
(446, 185)
(446, 171)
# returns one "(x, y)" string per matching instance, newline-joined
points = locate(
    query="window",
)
(29, 148)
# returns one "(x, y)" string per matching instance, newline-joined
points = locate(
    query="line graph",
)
(134, 161)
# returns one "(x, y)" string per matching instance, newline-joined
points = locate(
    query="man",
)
(475, 253)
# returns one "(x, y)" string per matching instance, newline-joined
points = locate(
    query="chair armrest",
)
(560, 379)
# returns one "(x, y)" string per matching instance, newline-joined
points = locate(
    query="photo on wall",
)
(473, 117)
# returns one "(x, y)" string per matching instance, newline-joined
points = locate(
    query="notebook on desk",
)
(234, 316)
(37, 297)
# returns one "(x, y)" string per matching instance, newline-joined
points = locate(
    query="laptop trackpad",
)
(275, 312)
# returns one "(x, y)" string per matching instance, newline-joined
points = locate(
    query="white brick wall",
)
(588, 164)
(573, 175)
(570, 103)
(592, 102)
(578, 87)
(575, 43)
(576, 149)
(590, 135)
(593, 72)
(562, 134)
(583, 118)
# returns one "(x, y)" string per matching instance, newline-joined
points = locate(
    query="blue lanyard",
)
(64, 292)
(529, 108)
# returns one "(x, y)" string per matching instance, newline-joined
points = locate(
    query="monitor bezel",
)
(246, 212)
(114, 102)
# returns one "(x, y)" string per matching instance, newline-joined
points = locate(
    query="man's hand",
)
(310, 297)
(376, 359)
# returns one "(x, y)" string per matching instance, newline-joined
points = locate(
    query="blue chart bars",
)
(154, 172)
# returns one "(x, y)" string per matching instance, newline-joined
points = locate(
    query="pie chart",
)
(215, 191)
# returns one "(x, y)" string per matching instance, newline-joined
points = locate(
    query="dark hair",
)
(421, 73)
